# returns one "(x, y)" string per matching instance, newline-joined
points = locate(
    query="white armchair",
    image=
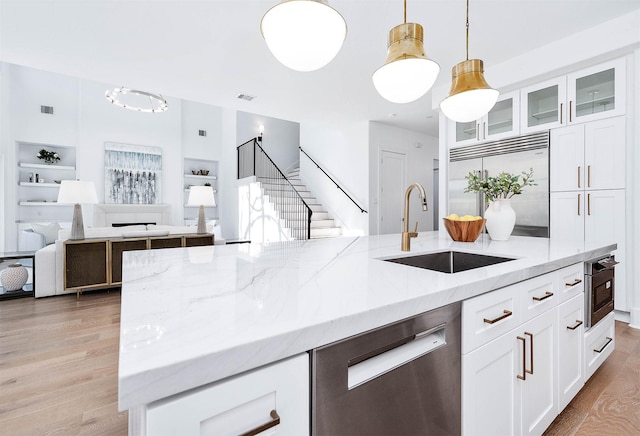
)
(28, 240)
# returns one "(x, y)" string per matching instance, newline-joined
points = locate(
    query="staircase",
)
(322, 226)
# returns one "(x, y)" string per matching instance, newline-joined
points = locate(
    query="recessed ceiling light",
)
(393, 115)
(246, 97)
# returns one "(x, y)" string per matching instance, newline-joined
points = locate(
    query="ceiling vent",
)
(46, 110)
(202, 133)
(246, 97)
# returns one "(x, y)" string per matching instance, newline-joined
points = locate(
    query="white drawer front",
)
(599, 343)
(570, 281)
(240, 404)
(538, 295)
(488, 316)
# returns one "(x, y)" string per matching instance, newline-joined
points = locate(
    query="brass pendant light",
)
(303, 35)
(407, 73)
(470, 96)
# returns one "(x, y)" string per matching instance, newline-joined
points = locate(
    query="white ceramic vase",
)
(14, 277)
(501, 218)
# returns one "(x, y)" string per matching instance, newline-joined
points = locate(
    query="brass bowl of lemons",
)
(464, 228)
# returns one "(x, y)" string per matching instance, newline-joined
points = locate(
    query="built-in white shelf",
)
(198, 176)
(42, 203)
(39, 185)
(46, 166)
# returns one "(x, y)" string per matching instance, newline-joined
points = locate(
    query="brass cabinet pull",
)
(477, 131)
(561, 106)
(604, 346)
(546, 295)
(575, 282)
(484, 130)
(570, 111)
(524, 357)
(531, 351)
(589, 204)
(275, 420)
(507, 314)
(579, 196)
(579, 167)
(588, 176)
(575, 326)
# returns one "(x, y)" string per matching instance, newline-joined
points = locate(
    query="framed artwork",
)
(133, 174)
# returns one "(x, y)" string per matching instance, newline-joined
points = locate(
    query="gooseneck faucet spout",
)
(406, 235)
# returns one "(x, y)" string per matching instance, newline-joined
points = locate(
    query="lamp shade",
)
(470, 97)
(304, 35)
(201, 196)
(407, 74)
(77, 192)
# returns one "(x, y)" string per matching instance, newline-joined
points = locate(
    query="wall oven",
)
(599, 288)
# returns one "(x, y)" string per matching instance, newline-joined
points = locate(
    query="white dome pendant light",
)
(407, 74)
(304, 35)
(470, 96)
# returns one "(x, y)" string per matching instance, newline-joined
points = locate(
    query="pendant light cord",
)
(405, 11)
(467, 25)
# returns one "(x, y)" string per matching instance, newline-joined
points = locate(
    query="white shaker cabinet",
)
(590, 94)
(588, 156)
(274, 399)
(570, 350)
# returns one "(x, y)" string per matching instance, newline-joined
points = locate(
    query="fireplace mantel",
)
(104, 215)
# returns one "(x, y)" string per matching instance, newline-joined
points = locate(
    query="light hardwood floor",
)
(59, 368)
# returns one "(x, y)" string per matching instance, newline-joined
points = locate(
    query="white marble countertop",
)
(192, 316)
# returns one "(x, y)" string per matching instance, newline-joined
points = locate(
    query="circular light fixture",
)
(407, 74)
(140, 101)
(304, 35)
(470, 97)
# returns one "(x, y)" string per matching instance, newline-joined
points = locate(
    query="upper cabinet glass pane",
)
(465, 131)
(595, 93)
(542, 106)
(500, 117)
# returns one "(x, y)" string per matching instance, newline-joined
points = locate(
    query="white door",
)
(392, 180)
(570, 343)
(604, 151)
(567, 215)
(566, 159)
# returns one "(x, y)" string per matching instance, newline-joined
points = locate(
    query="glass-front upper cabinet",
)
(597, 92)
(590, 94)
(502, 121)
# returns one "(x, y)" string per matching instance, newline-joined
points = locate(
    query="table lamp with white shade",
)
(201, 196)
(77, 192)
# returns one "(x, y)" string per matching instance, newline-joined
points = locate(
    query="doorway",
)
(393, 168)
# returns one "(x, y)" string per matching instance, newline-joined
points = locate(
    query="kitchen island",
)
(194, 316)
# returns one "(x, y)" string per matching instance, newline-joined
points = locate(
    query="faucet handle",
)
(415, 230)
(414, 234)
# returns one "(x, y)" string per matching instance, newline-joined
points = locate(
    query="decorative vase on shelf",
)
(501, 218)
(14, 277)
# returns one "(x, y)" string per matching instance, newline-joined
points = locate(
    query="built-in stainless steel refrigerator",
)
(513, 155)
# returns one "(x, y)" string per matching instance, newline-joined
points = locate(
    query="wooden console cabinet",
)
(97, 263)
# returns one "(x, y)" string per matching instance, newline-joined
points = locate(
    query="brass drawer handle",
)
(575, 282)
(546, 295)
(588, 176)
(604, 346)
(524, 357)
(275, 420)
(575, 326)
(579, 204)
(507, 314)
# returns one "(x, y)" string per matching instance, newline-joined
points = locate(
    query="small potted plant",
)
(48, 156)
(498, 191)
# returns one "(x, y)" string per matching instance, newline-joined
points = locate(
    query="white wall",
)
(280, 139)
(420, 150)
(343, 152)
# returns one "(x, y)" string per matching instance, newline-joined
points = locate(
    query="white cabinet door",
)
(490, 388)
(240, 404)
(542, 105)
(597, 92)
(604, 154)
(503, 120)
(539, 394)
(566, 210)
(566, 159)
(570, 344)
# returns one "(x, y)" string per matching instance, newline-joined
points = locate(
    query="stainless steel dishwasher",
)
(400, 379)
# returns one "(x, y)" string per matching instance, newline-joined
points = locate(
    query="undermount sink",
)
(449, 261)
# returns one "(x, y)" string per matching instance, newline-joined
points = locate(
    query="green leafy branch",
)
(503, 186)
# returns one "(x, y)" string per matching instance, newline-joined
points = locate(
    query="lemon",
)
(453, 217)
(477, 217)
(467, 218)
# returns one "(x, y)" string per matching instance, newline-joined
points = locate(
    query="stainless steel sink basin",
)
(449, 261)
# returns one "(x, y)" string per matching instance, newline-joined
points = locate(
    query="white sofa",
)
(49, 262)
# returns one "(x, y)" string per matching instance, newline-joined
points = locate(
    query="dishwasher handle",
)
(382, 360)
